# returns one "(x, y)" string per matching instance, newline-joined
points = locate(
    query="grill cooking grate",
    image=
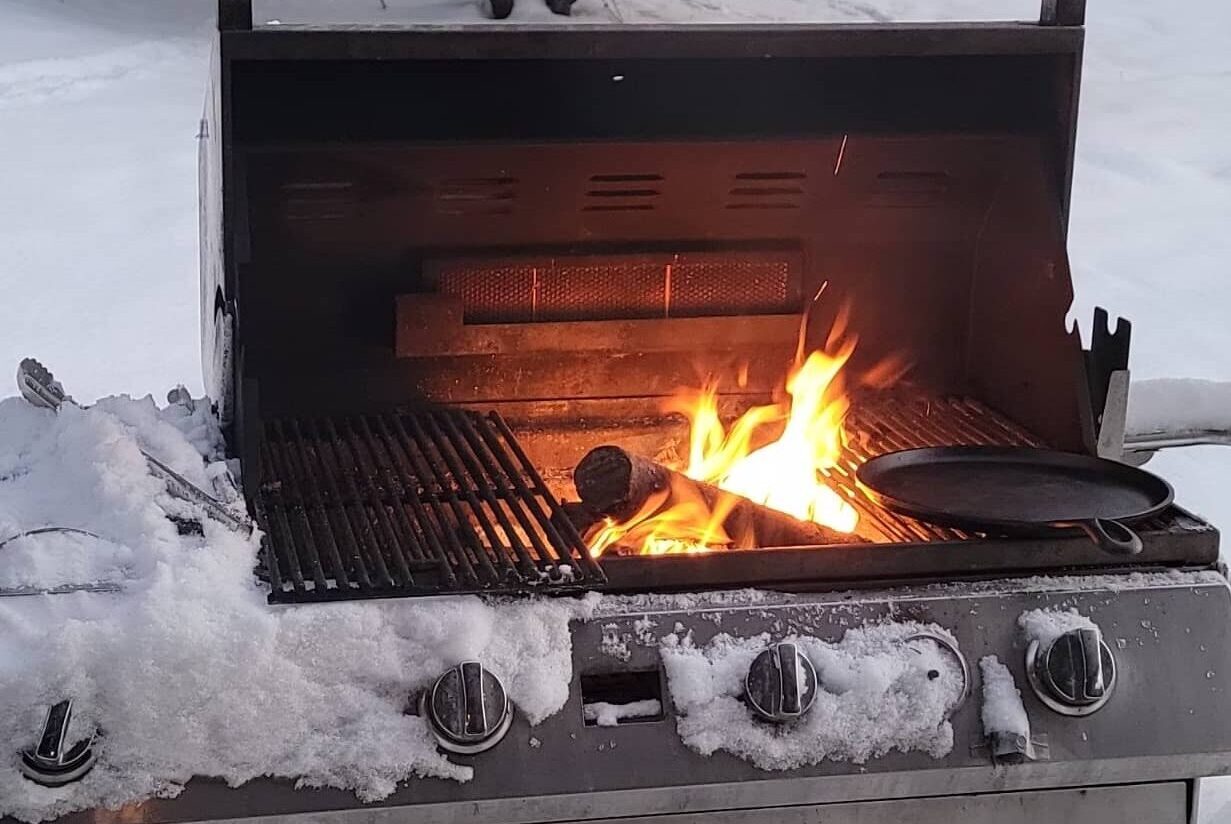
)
(893, 420)
(410, 503)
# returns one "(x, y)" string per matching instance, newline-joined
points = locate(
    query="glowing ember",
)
(787, 475)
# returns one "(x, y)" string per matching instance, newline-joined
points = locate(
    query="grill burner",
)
(410, 503)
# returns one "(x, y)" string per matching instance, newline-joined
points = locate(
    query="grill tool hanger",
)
(38, 386)
(1108, 385)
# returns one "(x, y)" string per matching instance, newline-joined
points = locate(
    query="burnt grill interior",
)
(562, 239)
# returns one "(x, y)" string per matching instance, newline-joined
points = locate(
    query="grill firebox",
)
(448, 500)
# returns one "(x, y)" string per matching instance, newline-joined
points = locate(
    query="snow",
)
(1178, 404)
(604, 714)
(613, 644)
(1002, 710)
(1046, 625)
(188, 671)
(877, 694)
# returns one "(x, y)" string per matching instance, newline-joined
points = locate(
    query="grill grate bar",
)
(515, 500)
(410, 503)
(378, 471)
(893, 420)
(478, 495)
(309, 541)
(329, 502)
(392, 541)
(450, 514)
(449, 430)
(292, 472)
(432, 526)
(555, 515)
(354, 514)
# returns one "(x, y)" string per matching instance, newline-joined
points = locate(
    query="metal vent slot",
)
(767, 190)
(772, 176)
(476, 196)
(762, 206)
(441, 500)
(627, 178)
(308, 200)
(908, 189)
(620, 207)
(622, 192)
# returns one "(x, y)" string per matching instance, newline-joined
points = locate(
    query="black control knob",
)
(1074, 674)
(54, 762)
(781, 683)
(468, 709)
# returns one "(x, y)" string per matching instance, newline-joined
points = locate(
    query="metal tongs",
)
(38, 386)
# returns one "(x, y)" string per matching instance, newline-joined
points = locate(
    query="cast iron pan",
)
(1018, 491)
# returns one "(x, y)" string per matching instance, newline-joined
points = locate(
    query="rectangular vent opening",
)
(476, 195)
(609, 699)
(771, 176)
(766, 191)
(900, 181)
(620, 207)
(627, 178)
(622, 193)
(311, 186)
(762, 206)
(908, 190)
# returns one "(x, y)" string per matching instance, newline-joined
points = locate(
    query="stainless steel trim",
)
(946, 643)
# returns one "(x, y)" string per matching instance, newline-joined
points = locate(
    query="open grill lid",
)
(921, 169)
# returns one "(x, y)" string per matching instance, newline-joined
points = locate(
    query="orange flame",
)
(787, 474)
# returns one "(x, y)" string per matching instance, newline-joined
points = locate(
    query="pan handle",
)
(1112, 536)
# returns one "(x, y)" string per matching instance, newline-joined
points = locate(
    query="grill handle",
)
(1111, 536)
(1063, 13)
(234, 15)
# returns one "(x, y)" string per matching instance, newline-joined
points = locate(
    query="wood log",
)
(616, 483)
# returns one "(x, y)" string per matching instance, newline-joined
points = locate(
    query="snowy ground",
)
(99, 101)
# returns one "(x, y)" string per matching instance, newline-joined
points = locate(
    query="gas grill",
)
(441, 264)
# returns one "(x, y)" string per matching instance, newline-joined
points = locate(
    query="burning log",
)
(620, 485)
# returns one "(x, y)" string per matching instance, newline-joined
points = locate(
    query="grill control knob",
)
(53, 762)
(1075, 674)
(781, 683)
(467, 709)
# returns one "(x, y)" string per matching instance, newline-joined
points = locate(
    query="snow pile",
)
(878, 691)
(610, 715)
(1178, 404)
(188, 671)
(1003, 711)
(614, 644)
(1046, 625)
